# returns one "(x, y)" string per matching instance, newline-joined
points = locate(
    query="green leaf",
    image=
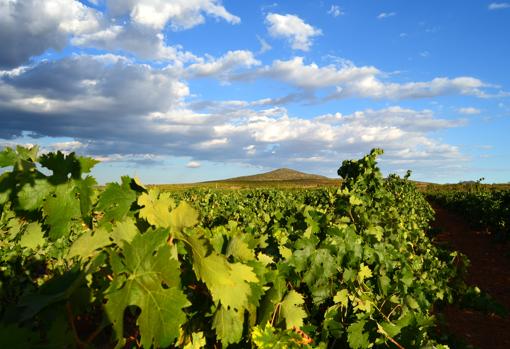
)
(342, 297)
(87, 163)
(389, 329)
(156, 208)
(238, 248)
(31, 197)
(271, 338)
(124, 231)
(27, 153)
(227, 282)
(357, 338)
(116, 200)
(61, 211)
(183, 216)
(292, 309)
(355, 201)
(153, 285)
(413, 304)
(8, 157)
(33, 236)
(88, 242)
(228, 324)
(86, 192)
(376, 231)
(384, 284)
(62, 166)
(197, 341)
(364, 272)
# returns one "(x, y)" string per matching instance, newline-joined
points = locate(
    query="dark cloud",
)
(30, 27)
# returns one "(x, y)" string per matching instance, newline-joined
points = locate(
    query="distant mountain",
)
(281, 174)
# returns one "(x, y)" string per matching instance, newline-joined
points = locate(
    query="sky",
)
(190, 90)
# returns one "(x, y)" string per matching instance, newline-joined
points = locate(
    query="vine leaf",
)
(356, 337)
(197, 341)
(86, 192)
(364, 272)
(156, 208)
(228, 324)
(31, 197)
(292, 309)
(61, 210)
(228, 282)
(153, 285)
(183, 216)
(124, 231)
(88, 243)
(116, 200)
(33, 236)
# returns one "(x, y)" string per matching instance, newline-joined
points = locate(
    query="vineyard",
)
(483, 206)
(128, 266)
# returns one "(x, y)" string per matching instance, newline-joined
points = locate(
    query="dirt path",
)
(489, 270)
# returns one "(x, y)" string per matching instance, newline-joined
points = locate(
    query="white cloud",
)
(349, 80)
(181, 14)
(311, 76)
(67, 147)
(52, 23)
(335, 11)
(132, 112)
(383, 15)
(294, 29)
(193, 164)
(499, 5)
(144, 42)
(224, 66)
(469, 111)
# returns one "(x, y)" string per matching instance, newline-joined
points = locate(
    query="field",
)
(351, 265)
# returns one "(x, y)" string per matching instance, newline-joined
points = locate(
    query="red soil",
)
(489, 270)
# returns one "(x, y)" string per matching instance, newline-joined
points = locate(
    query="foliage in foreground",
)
(128, 266)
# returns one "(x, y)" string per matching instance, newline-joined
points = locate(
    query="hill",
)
(280, 178)
(281, 174)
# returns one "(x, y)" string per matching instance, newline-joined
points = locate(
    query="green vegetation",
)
(484, 206)
(132, 266)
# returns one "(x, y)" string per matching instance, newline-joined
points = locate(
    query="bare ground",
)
(489, 270)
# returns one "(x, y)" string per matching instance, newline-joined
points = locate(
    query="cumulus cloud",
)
(89, 93)
(30, 27)
(469, 111)
(311, 76)
(180, 14)
(51, 24)
(294, 29)
(116, 110)
(144, 43)
(499, 5)
(349, 80)
(223, 66)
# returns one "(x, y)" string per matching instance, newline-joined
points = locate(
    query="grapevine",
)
(126, 265)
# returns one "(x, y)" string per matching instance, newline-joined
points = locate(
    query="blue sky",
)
(191, 90)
